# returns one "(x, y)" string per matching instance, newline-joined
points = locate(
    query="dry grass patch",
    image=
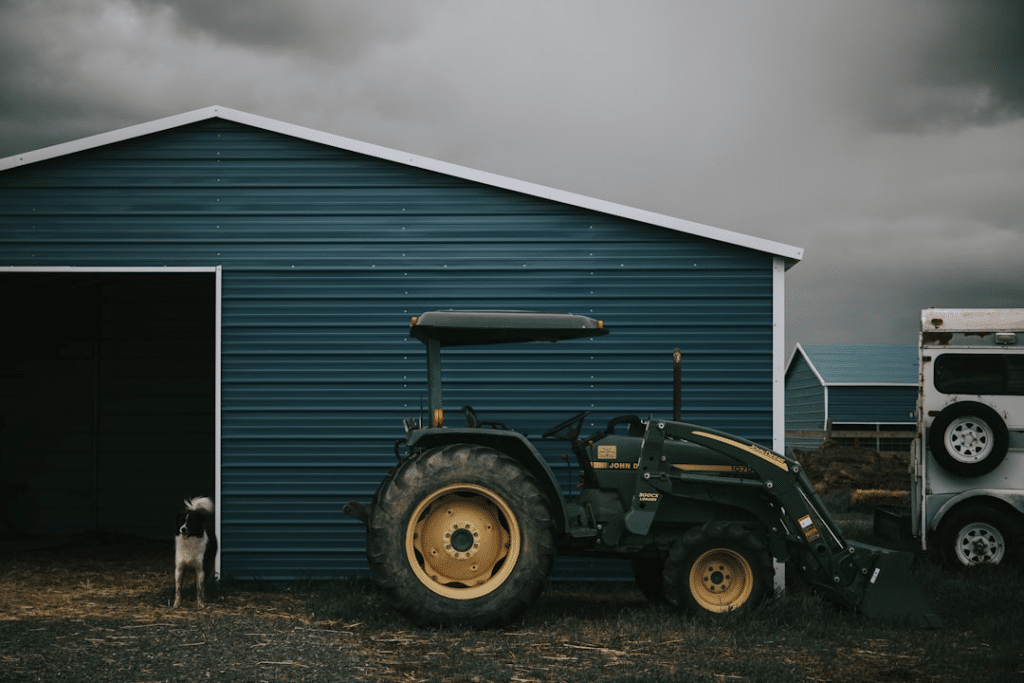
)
(101, 613)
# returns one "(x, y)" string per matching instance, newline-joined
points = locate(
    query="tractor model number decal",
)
(646, 497)
(753, 449)
(731, 469)
(810, 531)
(606, 453)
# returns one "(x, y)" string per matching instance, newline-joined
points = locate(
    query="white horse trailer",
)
(968, 461)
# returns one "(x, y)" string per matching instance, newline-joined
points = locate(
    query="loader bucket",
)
(891, 592)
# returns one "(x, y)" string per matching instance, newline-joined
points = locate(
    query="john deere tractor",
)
(464, 529)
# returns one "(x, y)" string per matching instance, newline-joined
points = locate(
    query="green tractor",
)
(465, 528)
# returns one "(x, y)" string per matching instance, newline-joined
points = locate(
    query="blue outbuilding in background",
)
(857, 388)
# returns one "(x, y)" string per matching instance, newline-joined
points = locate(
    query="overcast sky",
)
(886, 139)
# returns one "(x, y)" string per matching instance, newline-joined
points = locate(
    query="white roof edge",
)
(792, 355)
(800, 350)
(972, 319)
(791, 254)
(872, 384)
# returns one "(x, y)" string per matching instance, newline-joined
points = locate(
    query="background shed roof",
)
(879, 364)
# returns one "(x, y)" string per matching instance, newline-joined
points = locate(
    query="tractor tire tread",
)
(426, 472)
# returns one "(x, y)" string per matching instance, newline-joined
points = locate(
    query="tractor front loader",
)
(466, 526)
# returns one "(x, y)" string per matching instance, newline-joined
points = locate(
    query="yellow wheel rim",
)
(721, 580)
(462, 541)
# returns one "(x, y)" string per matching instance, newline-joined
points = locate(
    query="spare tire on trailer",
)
(968, 439)
(461, 534)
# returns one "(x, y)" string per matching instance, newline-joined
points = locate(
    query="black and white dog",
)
(195, 547)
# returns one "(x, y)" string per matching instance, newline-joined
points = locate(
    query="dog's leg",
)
(177, 585)
(200, 585)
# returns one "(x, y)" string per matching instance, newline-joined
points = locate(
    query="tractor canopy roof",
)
(465, 328)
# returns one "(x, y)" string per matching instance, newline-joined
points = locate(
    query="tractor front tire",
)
(462, 535)
(719, 567)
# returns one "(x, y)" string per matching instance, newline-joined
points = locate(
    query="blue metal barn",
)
(219, 303)
(849, 386)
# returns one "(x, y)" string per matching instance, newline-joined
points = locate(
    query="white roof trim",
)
(791, 254)
(800, 350)
(872, 384)
(973, 319)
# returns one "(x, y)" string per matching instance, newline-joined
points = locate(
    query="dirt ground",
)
(96, 612)
(99, 610)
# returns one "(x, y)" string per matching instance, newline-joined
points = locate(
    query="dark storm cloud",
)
(966, 68)
(45, 101)
(340, 29)
(72, 68)
(882, 137)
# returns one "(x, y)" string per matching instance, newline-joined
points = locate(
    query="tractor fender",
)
(513, 444)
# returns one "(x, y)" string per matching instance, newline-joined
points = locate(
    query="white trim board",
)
(110, 269)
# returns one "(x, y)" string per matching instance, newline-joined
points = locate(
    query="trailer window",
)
(995, 374)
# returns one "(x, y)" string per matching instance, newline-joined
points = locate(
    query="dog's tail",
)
(200, 503)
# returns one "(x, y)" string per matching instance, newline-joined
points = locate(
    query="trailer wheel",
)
(461, 534)
(968, 439)
(979, 535)
(720, 567)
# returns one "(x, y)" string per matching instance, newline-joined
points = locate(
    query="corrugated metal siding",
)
(327, 254)
(872, 405)
(805, 403)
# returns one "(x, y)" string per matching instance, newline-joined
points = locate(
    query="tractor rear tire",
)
(461, 535)
(719, 567)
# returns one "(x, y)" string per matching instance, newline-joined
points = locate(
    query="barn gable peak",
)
(790, 255)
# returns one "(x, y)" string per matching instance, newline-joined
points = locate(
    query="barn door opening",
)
(108, 390)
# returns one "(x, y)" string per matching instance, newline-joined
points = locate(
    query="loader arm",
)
(869, 579)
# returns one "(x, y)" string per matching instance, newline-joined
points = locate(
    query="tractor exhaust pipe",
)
(677, 385)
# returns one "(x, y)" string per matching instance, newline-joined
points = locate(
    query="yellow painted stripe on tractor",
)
(767, 456)
(732, 469)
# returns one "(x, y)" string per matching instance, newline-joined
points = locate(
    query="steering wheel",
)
(575, 423)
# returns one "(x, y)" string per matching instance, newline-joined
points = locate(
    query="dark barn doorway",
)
(107, 400)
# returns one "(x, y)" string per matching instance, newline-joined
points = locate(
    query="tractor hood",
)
(466, 328)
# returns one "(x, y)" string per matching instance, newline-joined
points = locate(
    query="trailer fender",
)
(991, 497)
